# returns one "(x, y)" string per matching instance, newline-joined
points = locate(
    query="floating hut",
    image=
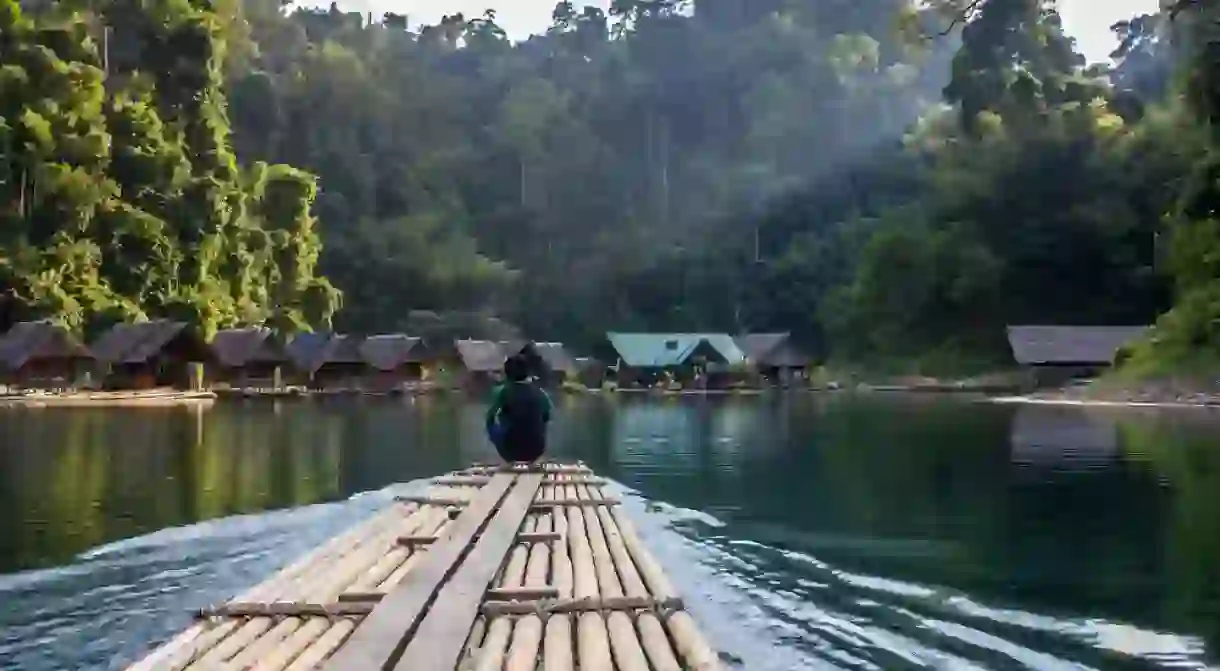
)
(150, 354)
(645, 359)
(490, 569)
(328, 360)
(549, 361)
(774, 356)
(1057, 354)
(481, 362)
(247, 357)
(41, 355)
(394, 360)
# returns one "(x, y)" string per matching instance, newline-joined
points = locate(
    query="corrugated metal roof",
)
(660, 350)
(1070, 344)
(30, 341)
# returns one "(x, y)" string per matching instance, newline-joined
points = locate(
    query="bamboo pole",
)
(527, 632)
(182, 657)
(289, 648)
(266, 643)
(696, 654)
(557, 655)
(592, 647)
(321, 648)
(625, 643)
(473, 642)
(593, 643)
(435, 524)
(393, 560)
(652, 637)
(656, 580)
(656, 643)
(200, 637)
(527, 637)
(628, 653)
(587, 604)
(600, 602)
(492, 654)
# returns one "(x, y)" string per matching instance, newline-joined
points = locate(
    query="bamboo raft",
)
(491, 569)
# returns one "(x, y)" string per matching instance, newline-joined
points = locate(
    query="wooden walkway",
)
(490, 570)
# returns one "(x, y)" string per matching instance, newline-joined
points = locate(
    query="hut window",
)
(671, 344)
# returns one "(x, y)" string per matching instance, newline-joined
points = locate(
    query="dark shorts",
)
(510, 450)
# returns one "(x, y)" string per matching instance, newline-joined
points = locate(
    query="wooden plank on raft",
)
(380, 637)
(440, 641)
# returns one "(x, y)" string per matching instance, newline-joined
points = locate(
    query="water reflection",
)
(807, 531)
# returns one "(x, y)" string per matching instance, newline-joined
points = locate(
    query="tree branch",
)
(962, 17)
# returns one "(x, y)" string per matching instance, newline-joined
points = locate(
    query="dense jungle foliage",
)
(887, 183)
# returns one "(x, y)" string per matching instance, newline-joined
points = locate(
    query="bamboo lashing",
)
(588, 604)
(285, 609)
(438, 501)
(525, 593)
(575, 503)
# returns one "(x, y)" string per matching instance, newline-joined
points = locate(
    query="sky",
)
(1088, 21)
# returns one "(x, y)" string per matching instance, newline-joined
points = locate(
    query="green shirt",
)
(500, 395)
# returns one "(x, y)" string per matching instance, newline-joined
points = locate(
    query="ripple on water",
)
(767, 606)
(777, 609)
(115, 601)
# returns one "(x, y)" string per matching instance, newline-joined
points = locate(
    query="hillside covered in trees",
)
(888, 184)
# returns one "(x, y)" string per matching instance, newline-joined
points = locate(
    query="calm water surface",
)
(806, 532)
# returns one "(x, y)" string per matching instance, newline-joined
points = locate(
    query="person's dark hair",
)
(515, 369)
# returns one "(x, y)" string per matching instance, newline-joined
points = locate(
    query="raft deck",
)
(490, 569)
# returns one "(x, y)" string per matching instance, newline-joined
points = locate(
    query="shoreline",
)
(1211, 404)
(102, 399)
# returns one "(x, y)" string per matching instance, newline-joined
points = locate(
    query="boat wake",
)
(773, 605)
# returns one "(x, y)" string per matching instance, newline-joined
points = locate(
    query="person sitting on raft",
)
(518, 416)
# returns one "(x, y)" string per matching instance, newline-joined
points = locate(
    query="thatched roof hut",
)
(481, 356)
(310, 352)
(771, 350)
(143, 342)
(556, 357)
(41, 341)
(244, 347)
(1070, 345)
(392, 351)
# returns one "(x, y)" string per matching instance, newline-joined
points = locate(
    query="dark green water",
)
(806, 532)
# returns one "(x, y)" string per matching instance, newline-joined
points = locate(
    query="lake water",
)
(806, 532)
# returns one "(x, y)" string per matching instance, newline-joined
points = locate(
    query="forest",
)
(889, 183)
